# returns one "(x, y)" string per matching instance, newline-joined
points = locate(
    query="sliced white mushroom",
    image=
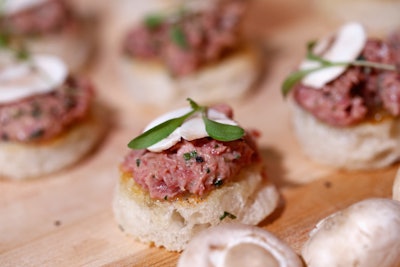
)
(237, 245)
(13, 6)
(220, 117)
(193, 128)
(396, 186)
(345, 46)
(37, 75)
(366, 234)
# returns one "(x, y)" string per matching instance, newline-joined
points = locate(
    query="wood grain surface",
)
(66, 219)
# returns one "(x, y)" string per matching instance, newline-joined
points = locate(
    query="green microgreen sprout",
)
(176, 33)
(19, 50)
(153, 21)
(227, 214)
(190, 155)
(6, 40)
(178, 36)
(216, 130)
(298, 75)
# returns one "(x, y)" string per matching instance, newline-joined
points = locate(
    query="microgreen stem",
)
(375, 65)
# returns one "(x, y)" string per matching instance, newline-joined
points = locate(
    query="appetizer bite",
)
(346, 100)
(366, 234)
(197, 53)
(238, 245)
(46, 26)
(191, 169)
(47, 118)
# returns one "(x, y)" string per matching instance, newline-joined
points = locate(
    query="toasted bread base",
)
(172, 223)
(231, 78)
(369, 145)
(20, 161)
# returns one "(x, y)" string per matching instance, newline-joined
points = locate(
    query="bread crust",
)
(21, 161)
(231, 78)
(369, 145)
(172, 223)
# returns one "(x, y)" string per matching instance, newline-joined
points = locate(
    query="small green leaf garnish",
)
(222, 132)
(294, 78)
(158, 133)
(18, 48)
(178, 37)
(227, 214)
(154, 21)
(4, 40)
(216, 130)
(298, 75)
(190, 155)
(193, 104)
(22, 53)
(8, 41)
(312, 56)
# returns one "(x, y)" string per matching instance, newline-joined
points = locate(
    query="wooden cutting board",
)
(66, 219)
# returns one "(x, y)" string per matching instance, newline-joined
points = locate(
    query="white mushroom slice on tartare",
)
(40, 74)
(193, 128)
(345, 46)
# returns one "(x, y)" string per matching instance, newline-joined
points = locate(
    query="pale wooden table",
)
(66, 219)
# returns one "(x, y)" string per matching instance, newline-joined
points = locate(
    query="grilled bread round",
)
(369, 145)
(20, 161)
(171, 223)
(230, 78)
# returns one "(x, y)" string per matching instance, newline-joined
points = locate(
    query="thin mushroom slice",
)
(193, 128)
(237, 245)
(345, 46)
(366, 234)
(37, 75)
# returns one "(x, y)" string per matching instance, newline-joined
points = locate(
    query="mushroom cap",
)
(237, 245)
(366, 234)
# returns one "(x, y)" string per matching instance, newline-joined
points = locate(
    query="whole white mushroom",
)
(366, 234)
(237, 245)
